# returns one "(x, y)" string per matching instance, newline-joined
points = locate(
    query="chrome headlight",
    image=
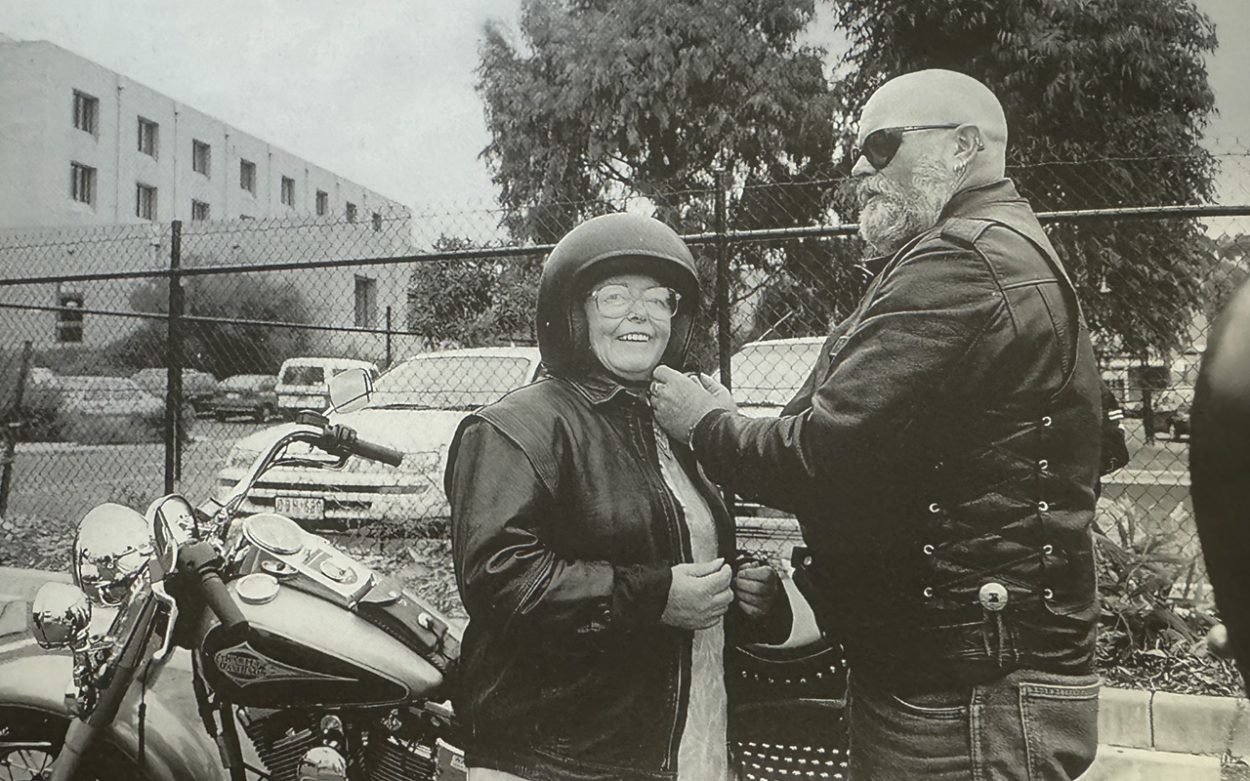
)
(60, 616)
(111, 549)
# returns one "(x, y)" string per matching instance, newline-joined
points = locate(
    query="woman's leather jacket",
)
(564, 533)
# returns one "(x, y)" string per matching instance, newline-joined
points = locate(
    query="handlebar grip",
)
(218, 599)
(376, 452)
(202, 561)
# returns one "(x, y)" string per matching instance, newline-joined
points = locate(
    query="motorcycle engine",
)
(379, 748)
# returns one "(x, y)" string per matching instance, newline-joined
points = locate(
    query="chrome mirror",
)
(173, 524)
(60, 616)
(111, 549)
(350, 390)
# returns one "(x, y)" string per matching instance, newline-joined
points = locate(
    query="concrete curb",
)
(1160, 735)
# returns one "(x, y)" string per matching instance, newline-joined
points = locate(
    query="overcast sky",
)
(381, 91)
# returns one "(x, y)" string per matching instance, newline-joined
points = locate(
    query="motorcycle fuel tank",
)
(304, 651)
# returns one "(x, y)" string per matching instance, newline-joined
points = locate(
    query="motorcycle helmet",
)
(599, 248)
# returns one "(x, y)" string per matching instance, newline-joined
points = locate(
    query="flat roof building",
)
(83, 145)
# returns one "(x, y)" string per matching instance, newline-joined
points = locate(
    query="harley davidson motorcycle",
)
(208, 645)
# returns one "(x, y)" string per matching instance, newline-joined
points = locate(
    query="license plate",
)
(309, 508)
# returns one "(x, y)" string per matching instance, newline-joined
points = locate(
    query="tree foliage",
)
(472, 302)
(217, 346)
(1106, 103)
(605, 100)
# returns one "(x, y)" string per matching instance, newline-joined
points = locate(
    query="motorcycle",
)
(206, 644)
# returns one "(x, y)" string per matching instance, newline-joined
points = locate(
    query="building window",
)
(351, 212)
(199, 211)
(145, 202)
(201, 157)
(288, 191)
(247, 176)
(69, 317)
(366, 302)
(149, 137)
(82, 183)
(377, 221)
(323, 203)
(86, 112)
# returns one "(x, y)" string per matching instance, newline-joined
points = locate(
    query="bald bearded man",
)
(941, 459)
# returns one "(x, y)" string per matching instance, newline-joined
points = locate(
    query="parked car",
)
(302, 382)
(1170, 411)
(767, 374)
(252, 395)
(198, 388)
(89, 395)
(415, 409)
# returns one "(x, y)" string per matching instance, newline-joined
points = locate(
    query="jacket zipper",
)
(672, 516)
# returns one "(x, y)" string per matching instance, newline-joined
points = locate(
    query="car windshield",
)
(450, 381)
(303, 375)
(769, 373)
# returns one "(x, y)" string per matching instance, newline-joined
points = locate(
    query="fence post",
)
(388, 337)
(14, 427)
(173, 363)
(723, 342)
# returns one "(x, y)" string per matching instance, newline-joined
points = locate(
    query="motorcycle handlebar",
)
(201, 559)
(339, 438)
(376, 452)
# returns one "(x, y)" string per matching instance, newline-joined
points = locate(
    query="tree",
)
(472, 302)
(219, 346)
(1106, 102)
(652, 98)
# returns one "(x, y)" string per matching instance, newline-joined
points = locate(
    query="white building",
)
(83, 145)
(93, 169)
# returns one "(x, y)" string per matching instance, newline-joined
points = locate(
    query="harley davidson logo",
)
(245, 666)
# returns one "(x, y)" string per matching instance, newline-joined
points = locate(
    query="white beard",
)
(891, 214)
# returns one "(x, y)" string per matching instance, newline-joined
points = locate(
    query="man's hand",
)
(720, 394)
(680, 402)
(699, 595)
(756, 588)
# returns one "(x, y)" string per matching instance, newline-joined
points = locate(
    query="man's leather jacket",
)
(564, 535)
(942, 458)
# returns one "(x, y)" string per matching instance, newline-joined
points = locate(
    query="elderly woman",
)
(593, 558)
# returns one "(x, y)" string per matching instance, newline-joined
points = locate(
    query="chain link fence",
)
(166, 356)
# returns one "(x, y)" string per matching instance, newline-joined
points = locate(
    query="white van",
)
(303, 382)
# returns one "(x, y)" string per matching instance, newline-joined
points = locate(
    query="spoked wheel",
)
(30, 740)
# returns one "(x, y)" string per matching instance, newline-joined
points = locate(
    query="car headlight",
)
(240, 458)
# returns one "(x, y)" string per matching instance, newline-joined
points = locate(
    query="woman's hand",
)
(756, 587)
(699, 595)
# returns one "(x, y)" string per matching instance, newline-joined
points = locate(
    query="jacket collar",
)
(976, 199)
(602, 388)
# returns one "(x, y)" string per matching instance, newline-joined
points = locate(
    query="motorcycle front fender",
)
(176, 747)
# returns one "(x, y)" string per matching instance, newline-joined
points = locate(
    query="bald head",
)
(939, 97)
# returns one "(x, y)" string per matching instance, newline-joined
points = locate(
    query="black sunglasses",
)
(881, 145)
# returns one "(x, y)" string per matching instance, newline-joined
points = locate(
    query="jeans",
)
(1027, 725)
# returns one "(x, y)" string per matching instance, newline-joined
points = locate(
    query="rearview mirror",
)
(350, 390)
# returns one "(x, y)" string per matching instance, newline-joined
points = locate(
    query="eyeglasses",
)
(660, 303)
(881, 145)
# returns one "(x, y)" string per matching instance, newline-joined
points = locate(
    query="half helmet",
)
(599, 248)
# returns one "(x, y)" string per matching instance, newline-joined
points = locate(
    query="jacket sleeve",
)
(923, 320)
(507, 573)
